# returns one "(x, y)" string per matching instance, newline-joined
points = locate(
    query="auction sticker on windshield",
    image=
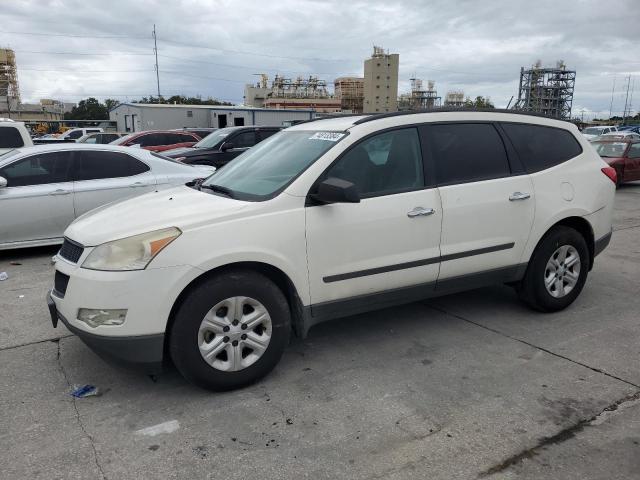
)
(329, 136)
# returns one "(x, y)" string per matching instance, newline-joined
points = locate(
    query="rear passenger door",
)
(105, 176)
(487, 202)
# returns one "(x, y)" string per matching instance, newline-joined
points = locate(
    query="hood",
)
(589, 136)
(177, 152)
(202, 171)
(194, 152)
(181, 207)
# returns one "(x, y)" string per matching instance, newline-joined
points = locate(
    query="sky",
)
(69, 50)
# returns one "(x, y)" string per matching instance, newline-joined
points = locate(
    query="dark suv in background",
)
(222, 146)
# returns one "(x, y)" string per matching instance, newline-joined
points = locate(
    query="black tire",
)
(532, 288)
(183, 337)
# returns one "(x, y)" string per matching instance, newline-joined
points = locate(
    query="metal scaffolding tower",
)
(546, 90)
(419, 98)
(9, 90)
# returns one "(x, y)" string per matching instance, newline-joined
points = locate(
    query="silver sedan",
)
(44, 188)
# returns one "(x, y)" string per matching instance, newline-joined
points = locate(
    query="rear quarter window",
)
(541, 147)
(10, 138)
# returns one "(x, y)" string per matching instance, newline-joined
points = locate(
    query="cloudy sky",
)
(70, 49)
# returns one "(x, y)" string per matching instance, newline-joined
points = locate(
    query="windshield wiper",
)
(219, 189)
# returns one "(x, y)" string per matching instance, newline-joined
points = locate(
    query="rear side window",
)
(38, 170)
(541, 147)
(96, 165)
(467, 152)
(10, 138)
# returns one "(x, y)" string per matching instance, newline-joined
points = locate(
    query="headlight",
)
(131, 253)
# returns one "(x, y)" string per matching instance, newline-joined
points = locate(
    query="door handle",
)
(60, 191)
(138, 184)
(518, 196)
(420, 212)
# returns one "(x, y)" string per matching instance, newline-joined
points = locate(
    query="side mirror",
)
(3, 182)
(227, 146)
(336, 190)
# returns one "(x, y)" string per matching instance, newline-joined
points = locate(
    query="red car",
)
(623, 155)
(158, 140)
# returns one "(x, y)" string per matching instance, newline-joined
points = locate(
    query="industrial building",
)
(381, 82)
(134, 117)
(350, 92)
(546, 90)
(419, 98)
(454, 99)
(300, 94)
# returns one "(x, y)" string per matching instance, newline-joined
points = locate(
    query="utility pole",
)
(155, 51)
(633, 87)
(611, 104)
(624, 112)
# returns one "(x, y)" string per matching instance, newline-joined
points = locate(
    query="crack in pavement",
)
(564, 434)
(626, 228)
(78, 418)
(532, 345)
(560, 437)
(52, 339)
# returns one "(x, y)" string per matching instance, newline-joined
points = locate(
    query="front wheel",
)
(557, 270)
(230, 330)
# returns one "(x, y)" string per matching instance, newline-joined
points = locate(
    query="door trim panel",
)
(416, 263)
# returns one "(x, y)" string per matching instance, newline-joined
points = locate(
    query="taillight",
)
(611, 173)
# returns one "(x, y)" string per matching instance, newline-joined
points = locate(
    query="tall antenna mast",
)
(155, 51)
(612, 90)
(624, 113)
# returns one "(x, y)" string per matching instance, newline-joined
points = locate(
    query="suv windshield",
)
(215, 138)
(271, 165)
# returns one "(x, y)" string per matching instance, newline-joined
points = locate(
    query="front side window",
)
(541, 147)
(215, 139)
(263, 171)
(467, 152)
(634, 150)
(384, 164)
(10, 138)
(101, 164)
(244, 139)
(38, 170)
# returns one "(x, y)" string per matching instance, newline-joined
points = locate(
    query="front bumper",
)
(143, 352)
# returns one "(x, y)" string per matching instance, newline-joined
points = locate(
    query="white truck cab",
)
(13, 135)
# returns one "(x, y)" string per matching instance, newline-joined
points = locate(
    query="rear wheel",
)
(557, 270)
(230, 331)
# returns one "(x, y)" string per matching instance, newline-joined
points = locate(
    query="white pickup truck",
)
(13, 135)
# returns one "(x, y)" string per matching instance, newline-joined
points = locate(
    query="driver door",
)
(387, 247)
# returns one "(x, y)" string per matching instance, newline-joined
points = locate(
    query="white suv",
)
(327, 219)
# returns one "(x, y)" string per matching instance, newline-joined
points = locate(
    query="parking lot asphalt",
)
(473, 385)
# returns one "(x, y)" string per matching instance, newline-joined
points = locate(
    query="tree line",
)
(92, 109)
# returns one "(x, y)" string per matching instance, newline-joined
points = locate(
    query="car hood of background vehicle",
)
(181, 207)
(176, 152)
(194, 152)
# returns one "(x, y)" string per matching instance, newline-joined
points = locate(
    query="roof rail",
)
(379, 116)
